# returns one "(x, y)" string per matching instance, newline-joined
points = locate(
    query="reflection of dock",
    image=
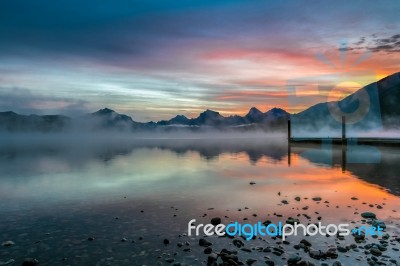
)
(343, 140)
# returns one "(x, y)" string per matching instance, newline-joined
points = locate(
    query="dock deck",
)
(371, 141)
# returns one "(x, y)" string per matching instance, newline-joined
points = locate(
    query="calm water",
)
(131, 195)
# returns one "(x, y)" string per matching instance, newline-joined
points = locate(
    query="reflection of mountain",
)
(375, 165)
(107, 119)
(27, 157)
(377, 104)
(371, 164)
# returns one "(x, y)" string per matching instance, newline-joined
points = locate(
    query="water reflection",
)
(61, 192)
(374, 164)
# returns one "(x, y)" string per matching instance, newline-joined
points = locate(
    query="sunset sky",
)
(155, 59)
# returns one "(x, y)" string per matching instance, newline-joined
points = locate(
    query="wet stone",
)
(292, 221)
(8, 243)
(367, 215)
(204, 243)
(215, 221)
(375, 252)
(207, 250)
(250, 261)
(238, 243)
(30, 262)
(293, 260)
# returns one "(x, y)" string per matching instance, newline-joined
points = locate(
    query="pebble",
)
(8, 243)
(215, 221)
(367, 215)
(207, 250)
(375, 251)
(204, 243)
(30, 262)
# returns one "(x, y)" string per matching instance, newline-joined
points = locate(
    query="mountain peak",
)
(104, 111)
(254, 111)
(209, 113)
(277, 111)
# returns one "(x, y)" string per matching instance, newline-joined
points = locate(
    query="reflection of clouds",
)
(375, 165)
(203, 172)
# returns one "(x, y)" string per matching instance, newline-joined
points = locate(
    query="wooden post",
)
(289, 130)
(343, 129)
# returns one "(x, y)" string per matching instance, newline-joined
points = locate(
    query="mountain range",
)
(375, 106)
(109, 120)
(377, 103)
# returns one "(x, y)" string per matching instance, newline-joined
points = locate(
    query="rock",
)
(317, 199)
(250, 261)
(207, 250)
(315, 254)
(292, 221)
(215, 221)
(212, 258)
(297, 199)
(354, 198)
(305, 263)
(204, 243)
(337, 263)
(331, 253)
(379, 223)
(285, 202)
(8, 243)
(30, 262)
(169, 260)
(252, 183)
(305, 243)
(293, 260)
(367, 215)
(375, 251)
(238, 243)
(166, 242)
(269, 262)
(267, 250)
(228, 256)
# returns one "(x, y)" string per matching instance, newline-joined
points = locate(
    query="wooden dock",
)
(343, 140)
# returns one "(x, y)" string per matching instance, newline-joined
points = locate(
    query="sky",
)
(153, 59)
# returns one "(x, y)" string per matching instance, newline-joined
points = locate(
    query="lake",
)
(114, 201)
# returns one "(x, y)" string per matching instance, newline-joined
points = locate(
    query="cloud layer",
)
(154, 59)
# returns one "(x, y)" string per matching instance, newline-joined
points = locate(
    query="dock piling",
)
(344, 130)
